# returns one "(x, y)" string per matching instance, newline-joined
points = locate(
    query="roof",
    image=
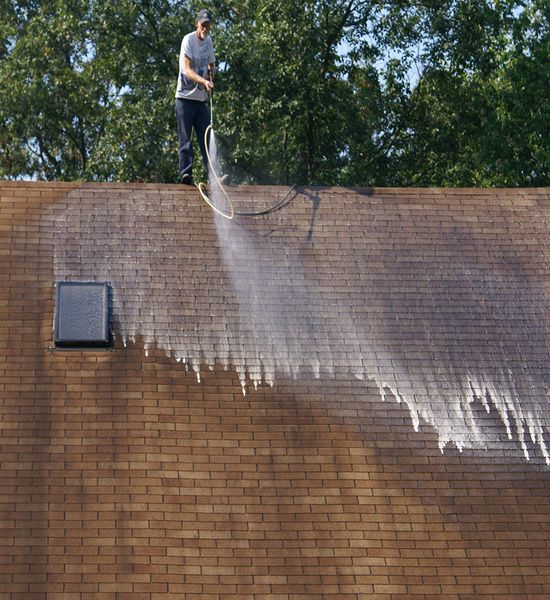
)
(382, 327)
(439, 297)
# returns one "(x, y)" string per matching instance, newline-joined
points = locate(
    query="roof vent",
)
(82, 314)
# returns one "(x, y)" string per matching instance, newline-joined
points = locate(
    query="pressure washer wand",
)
(211, 94)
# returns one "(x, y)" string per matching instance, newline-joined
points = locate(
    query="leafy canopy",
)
(331, 92)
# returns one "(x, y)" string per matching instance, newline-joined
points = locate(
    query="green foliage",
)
(285, 107)
(339, 92)
(87, 89)
(479, 113)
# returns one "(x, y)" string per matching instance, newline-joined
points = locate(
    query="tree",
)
(478, 113)
(341, 92)
(49, 111)
(136, 45)
(288, 106)
(87, 89)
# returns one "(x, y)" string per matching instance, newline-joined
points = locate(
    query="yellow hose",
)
(201, 186)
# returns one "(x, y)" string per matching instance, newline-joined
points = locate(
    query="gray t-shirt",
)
(201, 54)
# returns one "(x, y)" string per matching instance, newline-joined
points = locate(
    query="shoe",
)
(186, 179)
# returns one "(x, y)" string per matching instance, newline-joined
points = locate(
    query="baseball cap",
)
(203, 16)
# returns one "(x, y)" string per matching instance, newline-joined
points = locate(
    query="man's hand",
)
(210, 74)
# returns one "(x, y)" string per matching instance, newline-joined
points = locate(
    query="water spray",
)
(230, 213)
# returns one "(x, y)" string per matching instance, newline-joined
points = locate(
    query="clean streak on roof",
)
(440, 297)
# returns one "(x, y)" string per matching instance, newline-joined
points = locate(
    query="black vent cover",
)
(82, 314)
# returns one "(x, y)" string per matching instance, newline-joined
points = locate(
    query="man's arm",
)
(193, 76)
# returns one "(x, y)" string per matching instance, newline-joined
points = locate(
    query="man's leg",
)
(185, 114)
(201, 122)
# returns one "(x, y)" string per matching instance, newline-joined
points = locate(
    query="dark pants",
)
(191, 114)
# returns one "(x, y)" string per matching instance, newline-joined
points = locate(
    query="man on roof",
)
(196, 71)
